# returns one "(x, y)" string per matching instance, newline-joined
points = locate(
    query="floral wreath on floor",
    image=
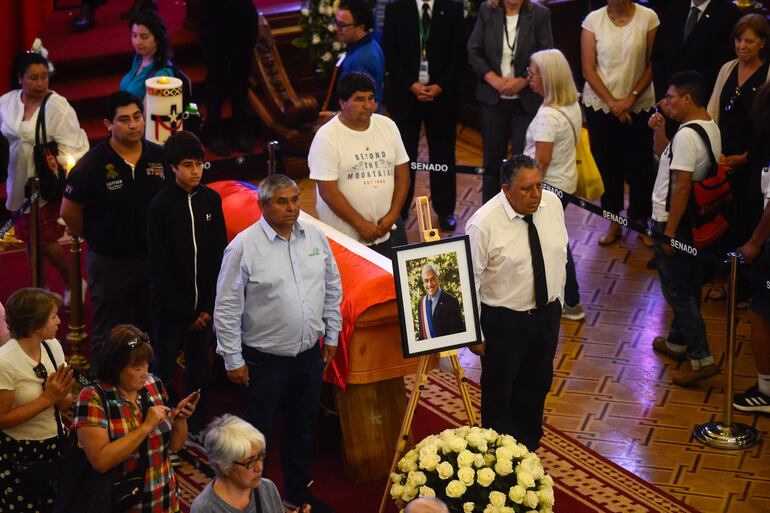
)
(474, 470)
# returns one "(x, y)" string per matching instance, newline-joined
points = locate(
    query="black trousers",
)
(440, 120)
(120, 295)
(517, 369)
(623, 153)
(500, 124)
(228, 34)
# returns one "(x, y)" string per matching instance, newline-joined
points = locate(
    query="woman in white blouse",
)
(551, 139)
(616, 49)
(18, 120)
(35, 386)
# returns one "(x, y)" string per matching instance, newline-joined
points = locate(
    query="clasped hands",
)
(371, 232)
(621, 109)
(425, 93)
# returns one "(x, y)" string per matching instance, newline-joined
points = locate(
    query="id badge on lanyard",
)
(765, 182)
(423, 77)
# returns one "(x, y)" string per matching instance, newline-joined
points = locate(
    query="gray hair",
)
(429, 267)
(273, 183)
(426, 505)
(511, 167)
(229, 438)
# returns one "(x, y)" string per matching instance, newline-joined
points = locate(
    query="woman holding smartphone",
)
(137, 411)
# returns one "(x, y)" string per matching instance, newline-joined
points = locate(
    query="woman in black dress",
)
(730, 106)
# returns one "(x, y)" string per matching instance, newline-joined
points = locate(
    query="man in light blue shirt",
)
(278, 293)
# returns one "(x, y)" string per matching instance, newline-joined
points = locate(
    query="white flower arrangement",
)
(318, 35)
(474, 470)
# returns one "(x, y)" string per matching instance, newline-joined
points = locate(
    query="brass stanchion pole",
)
(272, 163)
(727, 434)
(35, 260)
(76, 336)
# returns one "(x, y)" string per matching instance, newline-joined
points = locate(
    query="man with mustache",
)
(105, 201)
(278, 294)
(519, 250)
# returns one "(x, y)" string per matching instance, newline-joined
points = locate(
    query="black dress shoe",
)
(217, 144)
(448, 223)
(242, 143)
(85, 19)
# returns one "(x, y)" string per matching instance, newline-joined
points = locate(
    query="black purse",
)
(81, 488)
(49, 171)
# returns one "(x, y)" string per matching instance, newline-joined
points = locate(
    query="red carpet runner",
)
(585, 482)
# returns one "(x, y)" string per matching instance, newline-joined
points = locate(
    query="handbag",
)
(37, 475)
(50, 173)
(589, 181)
(108, 492)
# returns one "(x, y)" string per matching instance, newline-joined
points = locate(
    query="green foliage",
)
(446, 263)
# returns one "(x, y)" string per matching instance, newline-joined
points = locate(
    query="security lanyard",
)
(424, 35)
(515, 44)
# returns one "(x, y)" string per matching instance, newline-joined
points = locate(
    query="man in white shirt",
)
(682, 161)
(519, 249)
(360, 166)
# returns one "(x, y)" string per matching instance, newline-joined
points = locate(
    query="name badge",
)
(423, 78)
(765, 183)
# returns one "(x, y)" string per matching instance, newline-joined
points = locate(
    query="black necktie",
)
(538, 264)
(692, 19)
(425, 18)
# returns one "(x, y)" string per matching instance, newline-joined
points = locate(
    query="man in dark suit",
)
(439, 311)
(424, 50)
(695, 35)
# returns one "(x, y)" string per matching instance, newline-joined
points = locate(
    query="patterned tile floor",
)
(612, 392)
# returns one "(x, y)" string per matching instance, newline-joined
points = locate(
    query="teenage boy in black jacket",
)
(186, 239)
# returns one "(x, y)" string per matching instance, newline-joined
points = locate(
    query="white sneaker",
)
(573, 313)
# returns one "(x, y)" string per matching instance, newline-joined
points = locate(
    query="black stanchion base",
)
(722, 436)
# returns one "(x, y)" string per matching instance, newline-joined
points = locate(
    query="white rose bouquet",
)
(318, 37)
(474, 470)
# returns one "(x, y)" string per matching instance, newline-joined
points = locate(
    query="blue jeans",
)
(171, 336)
(291, 387)
(680, 282)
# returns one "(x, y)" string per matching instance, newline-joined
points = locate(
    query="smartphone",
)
(177, 410)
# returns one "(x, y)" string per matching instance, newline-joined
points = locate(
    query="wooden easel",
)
(427, 234)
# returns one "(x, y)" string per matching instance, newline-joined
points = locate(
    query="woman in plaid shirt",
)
(137, 411)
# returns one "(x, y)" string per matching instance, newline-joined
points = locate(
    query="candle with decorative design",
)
(162, 108)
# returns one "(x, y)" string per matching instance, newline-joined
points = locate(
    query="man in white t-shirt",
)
(683, 160)
(360, 166)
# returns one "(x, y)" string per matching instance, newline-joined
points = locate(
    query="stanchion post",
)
(76, 336)
(272, 162)
(727, 434)
(35, 258)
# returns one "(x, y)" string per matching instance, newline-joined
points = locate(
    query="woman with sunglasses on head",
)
(139, 429)
(730, 106)
(236, 452)
(34, 389)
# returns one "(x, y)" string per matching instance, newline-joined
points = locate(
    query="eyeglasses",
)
(250, 464)
(40, 371)
(670, 96)
(531, 73)
(342, 25)
(136, 342)
(731, 104)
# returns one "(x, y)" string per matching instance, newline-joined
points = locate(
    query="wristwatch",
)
(635, 93)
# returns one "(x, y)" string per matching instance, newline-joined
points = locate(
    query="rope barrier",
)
(17, 214)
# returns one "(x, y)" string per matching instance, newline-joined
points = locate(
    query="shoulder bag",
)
(81, 488)
(589, 183)
(49, 171)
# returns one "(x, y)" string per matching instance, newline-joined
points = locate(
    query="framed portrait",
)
(436, 296)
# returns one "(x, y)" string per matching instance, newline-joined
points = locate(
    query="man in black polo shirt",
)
(106, 199)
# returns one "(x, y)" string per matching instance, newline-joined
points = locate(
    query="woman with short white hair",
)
(236, 452)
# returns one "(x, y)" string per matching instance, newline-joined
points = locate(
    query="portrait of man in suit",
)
(439, 311)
